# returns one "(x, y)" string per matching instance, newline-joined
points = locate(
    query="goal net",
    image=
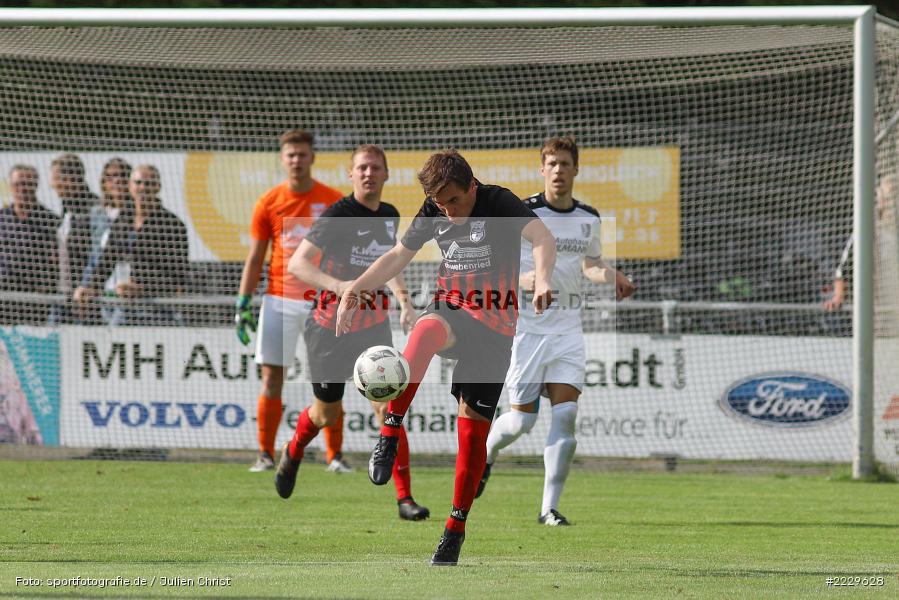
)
(720, 159)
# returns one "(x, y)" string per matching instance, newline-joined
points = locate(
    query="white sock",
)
(559, 452)
(506, 429)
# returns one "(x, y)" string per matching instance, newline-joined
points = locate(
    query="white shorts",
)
(280, 322)
(545, 358)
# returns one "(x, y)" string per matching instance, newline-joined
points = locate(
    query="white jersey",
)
(577, 236)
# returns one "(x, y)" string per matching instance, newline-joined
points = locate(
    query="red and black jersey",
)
(351, 237)
(479, 272)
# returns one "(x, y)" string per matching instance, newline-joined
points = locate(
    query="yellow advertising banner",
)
(636, 190)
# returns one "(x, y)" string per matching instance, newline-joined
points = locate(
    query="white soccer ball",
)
(381, 373)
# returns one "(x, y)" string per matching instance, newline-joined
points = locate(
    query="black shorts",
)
(331, 358)
(483, 357)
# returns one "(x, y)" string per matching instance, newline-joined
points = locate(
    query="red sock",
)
(305, 433)
(402, 478)
(268, 418)
(470, 463)
(427, 337)
(333, 438)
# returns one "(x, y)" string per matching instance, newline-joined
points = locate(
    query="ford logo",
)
(787, 400)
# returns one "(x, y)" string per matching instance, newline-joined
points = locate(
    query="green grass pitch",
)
(637, 534)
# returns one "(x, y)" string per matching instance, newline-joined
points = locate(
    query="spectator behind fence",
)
(73, 236)
(27, 248)
(886, 280)
(147, 254)
(115, 196)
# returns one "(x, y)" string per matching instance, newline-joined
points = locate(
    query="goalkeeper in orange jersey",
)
(284, 308)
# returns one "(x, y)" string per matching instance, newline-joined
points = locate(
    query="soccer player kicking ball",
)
(346, 240)
(548, 352)
(283, 308)
(471, 318)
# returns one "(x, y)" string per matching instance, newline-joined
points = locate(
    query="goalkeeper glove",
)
(243, 319)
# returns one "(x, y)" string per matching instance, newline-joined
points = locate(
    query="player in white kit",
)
(548, 356)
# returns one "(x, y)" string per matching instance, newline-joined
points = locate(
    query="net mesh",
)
(886, 252)
(732, 233)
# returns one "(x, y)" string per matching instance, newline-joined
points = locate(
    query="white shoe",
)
(265, 462)
(338, 465)
(554, 519)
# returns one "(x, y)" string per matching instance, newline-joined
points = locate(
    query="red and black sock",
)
(402, 477)
(456, 520)
(427, 337)
(305, 433)
(470, 463)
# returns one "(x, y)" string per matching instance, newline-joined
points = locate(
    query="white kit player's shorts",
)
(544, 358)
(280, 322)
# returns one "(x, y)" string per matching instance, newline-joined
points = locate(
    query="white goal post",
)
(862, 19)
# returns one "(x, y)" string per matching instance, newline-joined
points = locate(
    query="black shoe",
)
(483, 482)
(448, 548)
(380, 465)
(412, 511)
(553, 518)
(286, 475)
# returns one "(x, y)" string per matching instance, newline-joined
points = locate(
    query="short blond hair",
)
(369, 149)
(296, 136)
